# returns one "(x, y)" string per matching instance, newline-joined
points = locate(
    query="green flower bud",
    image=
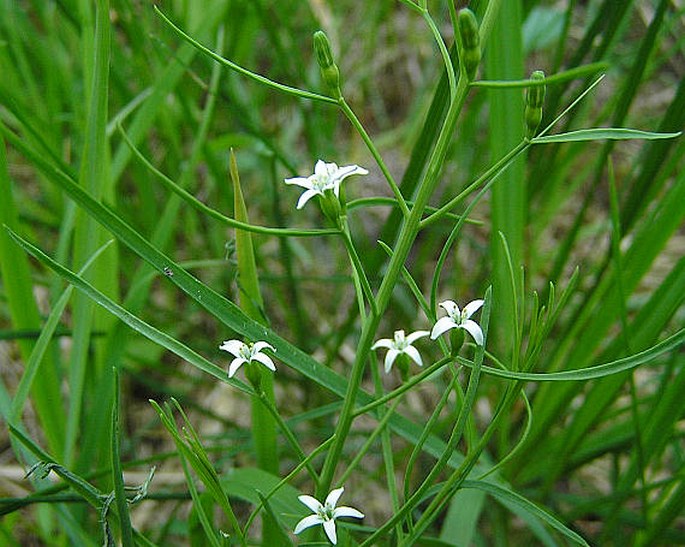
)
(535, 99)
(470, 42)
(324, 56)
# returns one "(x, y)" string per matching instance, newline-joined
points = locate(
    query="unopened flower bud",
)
(470, 41)
(324, 56)
(535, 98)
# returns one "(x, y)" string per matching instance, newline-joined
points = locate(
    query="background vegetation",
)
(589, 269)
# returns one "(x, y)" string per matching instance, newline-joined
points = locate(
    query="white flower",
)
(456, 319)
(245, 353)
(327, 176)
(326, 514)
(400, 345)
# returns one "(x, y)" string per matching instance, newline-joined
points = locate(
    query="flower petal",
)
(329, 528)
(321, 168)
(235, 365)
(450, 306)
(390, 358)
(311, 502)
(300, 181)
(306, 196)
(472, 307)
(259, 346)
(414, 336)
(308, 522)
(344, 511)
(442, 325)
(333, 497)
(474, 330)
(348, 171)
(232, 346)
(414, 355)
(265, 360)
(383, 343)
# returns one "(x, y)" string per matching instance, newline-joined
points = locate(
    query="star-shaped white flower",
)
(399, 345)
(327, 176)
(459, 319)
(326, 514)
(246, 353)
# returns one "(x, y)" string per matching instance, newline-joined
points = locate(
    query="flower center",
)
(400, 340)
(321, 183)
(246, 352)
(326, 512)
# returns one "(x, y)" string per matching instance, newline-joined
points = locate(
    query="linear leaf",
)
(602, 133)
(597, 371)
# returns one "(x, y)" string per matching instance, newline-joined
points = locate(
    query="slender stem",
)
(449, 67)
(285, 480)
(358, 268)
(495, 170)
(245, 72)
(349, 113)
(406, 386)
(416, 452)
(408, 231)
(460, 474)
(365, 448)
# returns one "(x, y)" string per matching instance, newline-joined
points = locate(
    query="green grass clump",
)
(455, 233)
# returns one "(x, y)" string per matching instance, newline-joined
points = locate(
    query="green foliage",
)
(556, 198)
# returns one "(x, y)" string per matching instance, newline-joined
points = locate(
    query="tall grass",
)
(142, 163)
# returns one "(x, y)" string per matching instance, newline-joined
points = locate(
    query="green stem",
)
(369, 441)
(357, 267)
(285, 480)
(417, 451)
(460, 474)
(406, 386)
(495, 170)
(349, 113)
(449, 67)
(455, 437)
(408, 231)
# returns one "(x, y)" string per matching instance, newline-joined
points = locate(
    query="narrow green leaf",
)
(601, 133)
(263, 424)
(594, 372)
(245, 72)
(572, 74)
(508, 496)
